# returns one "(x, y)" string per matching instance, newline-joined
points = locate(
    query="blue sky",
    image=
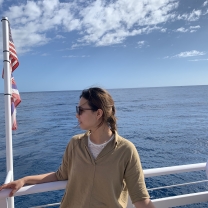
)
(72, 45)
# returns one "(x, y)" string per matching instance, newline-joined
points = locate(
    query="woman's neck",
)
(101, 135)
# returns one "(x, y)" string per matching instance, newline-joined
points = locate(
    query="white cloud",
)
(59, 37)
(167, 57)
(163, 30)
(25, 40)
(195, 27)
(1, 2)
(45, 54)
(193, 16)
(189, 53)
(98, 22)
(103, 23)
(190, 29)
(106, 24)
(206, 12)
(199, 60)
(182, 29)
(72, 56)
(141, 43)
(30, 22)
(205, 3)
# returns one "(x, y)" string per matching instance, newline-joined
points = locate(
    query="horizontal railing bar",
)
(176, 185)
(47, 205)
(37, 188)
(165, 202)
(181, 200)
(8, 177)
(174, 169)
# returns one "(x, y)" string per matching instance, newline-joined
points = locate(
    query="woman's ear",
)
(99, 113)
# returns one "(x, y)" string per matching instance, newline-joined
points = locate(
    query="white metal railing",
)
(181, 200)
(160, 203)
(174, 169)
(8, 177)
(3, 201)
(7, 102)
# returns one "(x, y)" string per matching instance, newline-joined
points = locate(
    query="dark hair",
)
(99, 98)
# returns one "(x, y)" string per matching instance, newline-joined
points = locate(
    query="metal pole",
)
(7, 96)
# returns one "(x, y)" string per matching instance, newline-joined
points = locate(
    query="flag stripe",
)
(14, 121)
(14, 63)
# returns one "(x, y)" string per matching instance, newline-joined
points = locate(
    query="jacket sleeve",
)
(62, 172)
(134, 177)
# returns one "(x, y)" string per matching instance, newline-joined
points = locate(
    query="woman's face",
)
(88, 120)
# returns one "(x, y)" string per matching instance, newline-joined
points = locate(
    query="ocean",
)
(168, 125)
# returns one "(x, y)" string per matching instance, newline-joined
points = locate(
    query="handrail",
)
(47, 205)
(37, 188)
(58, 185)
(181, 200)
(177, 185)
(174, 169)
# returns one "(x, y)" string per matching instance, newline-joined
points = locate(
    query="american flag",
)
(14, 63)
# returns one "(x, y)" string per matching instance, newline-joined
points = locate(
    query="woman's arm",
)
(35, 179)
(144, 204)
(43, 178)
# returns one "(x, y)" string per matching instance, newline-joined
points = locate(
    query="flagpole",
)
(7, 98)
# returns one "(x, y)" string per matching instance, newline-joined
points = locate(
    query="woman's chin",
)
(81, 126)
(84, 127)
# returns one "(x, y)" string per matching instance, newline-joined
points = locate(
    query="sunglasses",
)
(80, 110)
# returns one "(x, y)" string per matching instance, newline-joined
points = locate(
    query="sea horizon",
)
(111, 88)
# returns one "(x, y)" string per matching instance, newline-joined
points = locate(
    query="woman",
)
(101, 167)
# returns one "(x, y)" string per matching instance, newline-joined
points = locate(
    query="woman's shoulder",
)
(124, 143)
(77, 138)
(127, 148)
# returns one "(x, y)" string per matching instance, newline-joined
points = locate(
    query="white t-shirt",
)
(95, 149)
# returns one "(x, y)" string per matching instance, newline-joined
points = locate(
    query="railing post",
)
(7, 96)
